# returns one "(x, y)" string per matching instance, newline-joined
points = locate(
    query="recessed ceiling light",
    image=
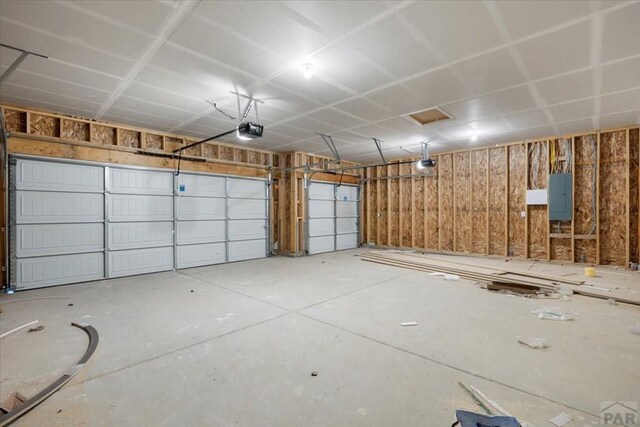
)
(307, 70)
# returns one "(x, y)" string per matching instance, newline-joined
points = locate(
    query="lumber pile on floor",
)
(519, 281)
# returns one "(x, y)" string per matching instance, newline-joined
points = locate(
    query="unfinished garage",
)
(328, 213)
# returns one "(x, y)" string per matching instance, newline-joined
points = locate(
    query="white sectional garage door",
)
(220, 219)
(57, 223)
(75, 222)
(248, 219)
(332, 217)
(201, 213)
(140, 221)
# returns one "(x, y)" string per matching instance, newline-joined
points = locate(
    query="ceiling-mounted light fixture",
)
(307, 70)
(425, 161)
(474, 137)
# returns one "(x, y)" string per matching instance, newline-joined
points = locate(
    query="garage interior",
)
(293, 213)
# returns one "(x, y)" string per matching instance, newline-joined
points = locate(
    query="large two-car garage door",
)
(332, 217)
(74, 222)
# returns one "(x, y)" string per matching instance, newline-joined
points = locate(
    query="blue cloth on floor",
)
(470, 419)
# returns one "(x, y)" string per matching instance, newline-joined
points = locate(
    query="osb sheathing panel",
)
(561, 249)
(15, 121)
(584, 183)
(372, 207)
(462, 199)
(418, 210)
(210, 151)
(130, 138)
(497, 200)
(153, 141)
(225, 153)
(394, 206)
(479, 201)
(537, 218)
(538, 165)
(445, 172)
(517, 183)
(383, 205)
(585, 251)
(104, 135)
(634, 208)
(72, 129)
(405, 205)
(537, 214)
(613, 170)
(431, 208)
(45, 125)
(171, 143)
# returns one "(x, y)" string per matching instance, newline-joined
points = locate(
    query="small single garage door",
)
(332, 222)
(57, 223)
(140, 221)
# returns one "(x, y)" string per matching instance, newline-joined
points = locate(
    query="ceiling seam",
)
(472, 56)
(64, 39)
(483, 119)
(382, 87)
(166, 30)
(270, 77)
(595, 58)
(498, 21)
(102, 17)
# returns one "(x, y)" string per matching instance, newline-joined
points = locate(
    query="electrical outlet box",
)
(560, 197)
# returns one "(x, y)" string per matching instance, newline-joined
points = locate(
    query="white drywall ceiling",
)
(506, 70)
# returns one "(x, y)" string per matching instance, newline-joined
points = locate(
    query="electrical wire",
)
(215, 106)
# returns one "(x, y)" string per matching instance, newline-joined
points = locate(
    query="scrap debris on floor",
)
(523, 282)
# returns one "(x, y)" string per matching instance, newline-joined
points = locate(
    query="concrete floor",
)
(236, 344)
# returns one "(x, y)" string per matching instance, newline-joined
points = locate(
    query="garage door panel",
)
(134, 181)
(321, 244)
(133, 207)
(318, 191)
(132, 235)
(247, 209)
(346, 209)
(192, 232)
(57, 270)
(321, 227)
(49, 207)
(139, 261)
(247, 229)
(199, 255)
(346, 241)
(247, 249)
(346, 225)
(247, 189)
(201, 185)
(201, 208)
(39, 175)
(57, 239)
(347, 193)
(321, 208)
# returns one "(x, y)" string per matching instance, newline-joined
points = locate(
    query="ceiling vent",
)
(432, 115)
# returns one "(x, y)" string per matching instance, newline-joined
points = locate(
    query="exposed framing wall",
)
(476, 202)
(40, 133)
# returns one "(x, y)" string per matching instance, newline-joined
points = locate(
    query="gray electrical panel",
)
(560, 197)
